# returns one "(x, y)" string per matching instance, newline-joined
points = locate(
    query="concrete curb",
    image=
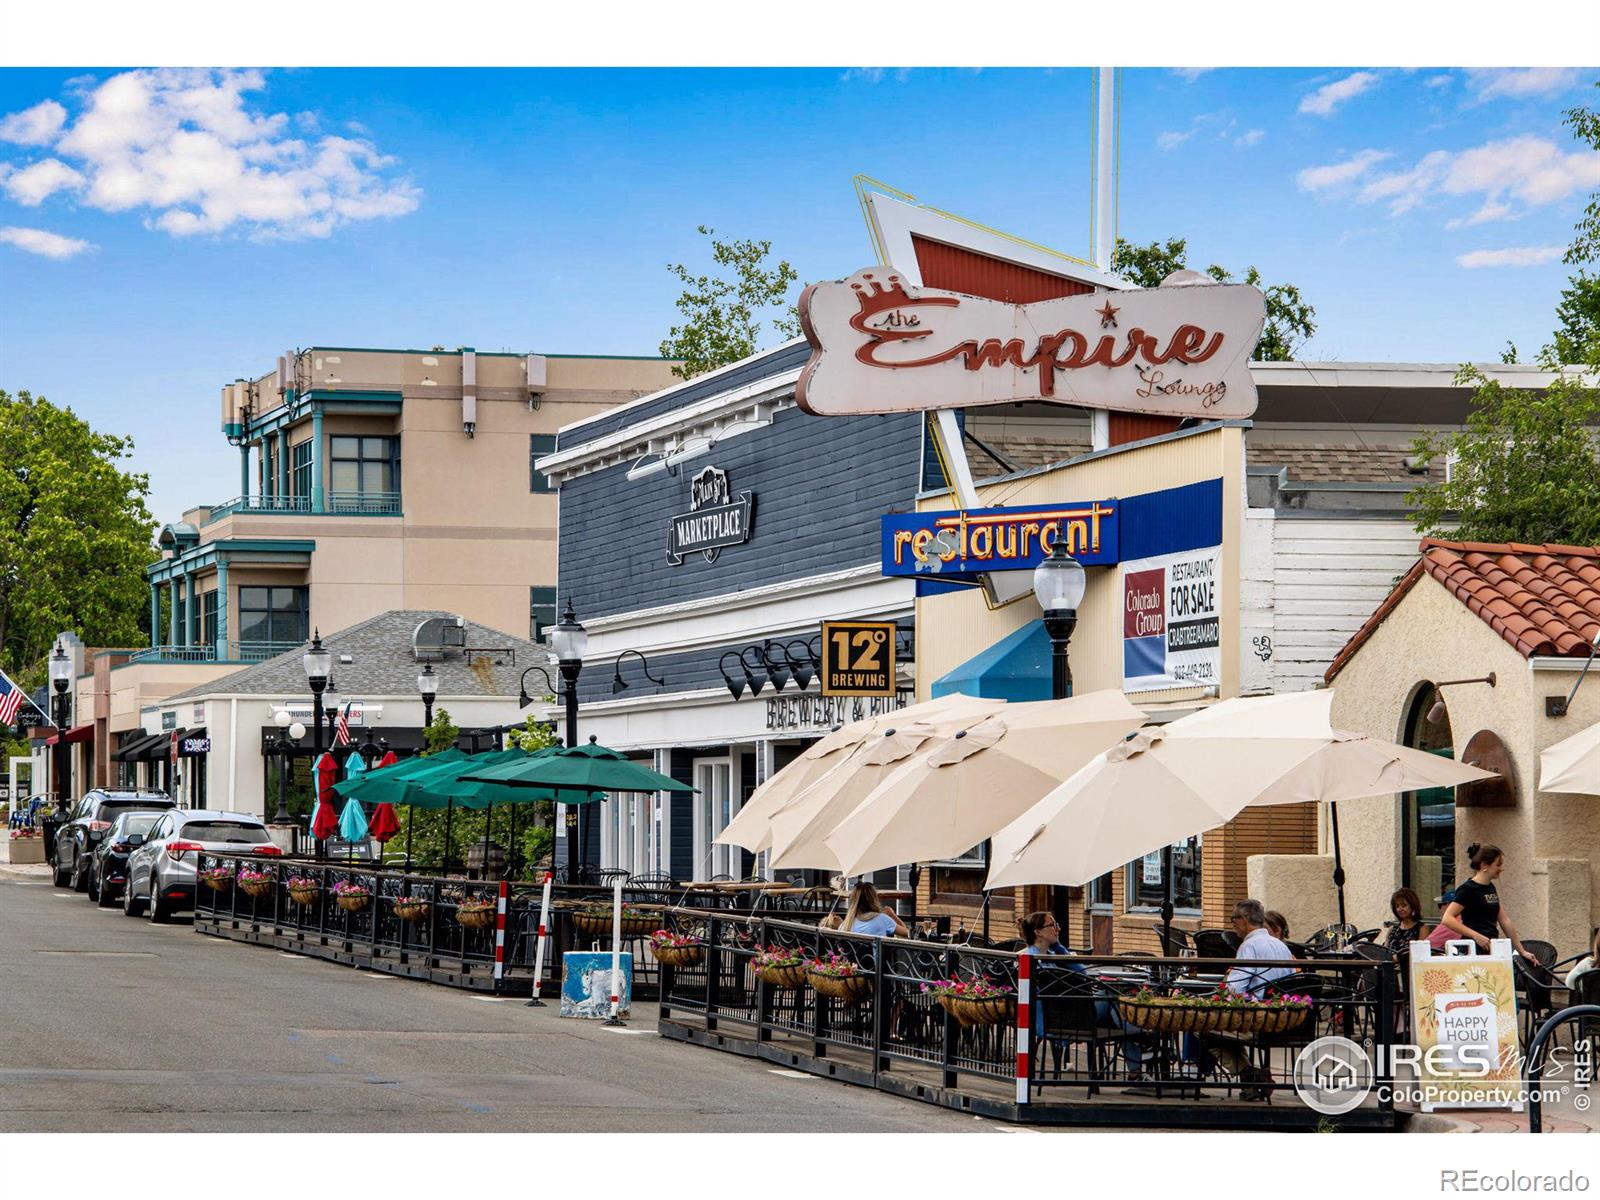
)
(24, 871)
(1419, 1122)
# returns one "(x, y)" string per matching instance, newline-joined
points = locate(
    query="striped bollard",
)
(500, 935)
(539, 941)
(616, 953)
(1024, 1023)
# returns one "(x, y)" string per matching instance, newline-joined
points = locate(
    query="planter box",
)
(27, 850)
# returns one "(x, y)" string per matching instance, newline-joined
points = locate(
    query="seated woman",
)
(865, 913)
(1042, 933)
(1277, 925)
(1407, 926)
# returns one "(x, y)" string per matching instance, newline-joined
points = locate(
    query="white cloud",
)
(42, 241)
(1249, 137)
(1437, 81)
(1529, 169)
(34, 184)
(1523, 81)
(1171, 140)
(1511, 256)
(36, 126)
(190, 150)
(1329, 97)
(1492, 210)
(1315, 179)
(1190, 74)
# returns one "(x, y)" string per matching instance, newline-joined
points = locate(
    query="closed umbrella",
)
(352, 824)
(1572, 764)
(388, 760)
(751, 826)
(385, 822)
(325, 822)
(946, 800)
(354, 765)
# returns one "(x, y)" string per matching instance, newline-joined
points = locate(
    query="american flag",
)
(11, 698)
(341, 731)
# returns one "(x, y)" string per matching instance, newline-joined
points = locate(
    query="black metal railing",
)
(1093, 1030)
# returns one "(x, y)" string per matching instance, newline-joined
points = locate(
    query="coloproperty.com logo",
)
(1333, 1074)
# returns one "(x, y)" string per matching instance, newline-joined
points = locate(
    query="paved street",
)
(116, 1024)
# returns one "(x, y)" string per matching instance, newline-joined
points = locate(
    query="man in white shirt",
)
(1256, 945)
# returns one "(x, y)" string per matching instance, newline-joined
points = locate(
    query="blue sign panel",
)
(946, 550)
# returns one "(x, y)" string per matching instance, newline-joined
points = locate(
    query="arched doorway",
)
(1428, 817)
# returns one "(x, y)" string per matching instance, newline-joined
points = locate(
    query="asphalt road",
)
(111, 1024)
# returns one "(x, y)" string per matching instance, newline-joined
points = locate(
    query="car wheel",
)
(102, 892)
(130, 906)
(94, 882)
(80, 873)
(58, 874)
(160, 914)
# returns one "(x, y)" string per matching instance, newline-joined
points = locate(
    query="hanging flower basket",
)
(973, 1001)
(676, 950)
(839, 978)
(409, 908)
(1223, 1013)
(217, 879)
(303, 891)
(253, 882)
(352, 897)
(780, 968)
(475, 914)
(595, 921)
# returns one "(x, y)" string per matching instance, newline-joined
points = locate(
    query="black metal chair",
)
(1067, 1017)
(1331, 937)
(1175, 943)
(1366, 935)
(1215, 943)
(1545, 952)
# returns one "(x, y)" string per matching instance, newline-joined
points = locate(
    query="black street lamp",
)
(427, 687)
(569, 640)
(1058, 584)
(60, 677)
(318, 662)
(289, 734)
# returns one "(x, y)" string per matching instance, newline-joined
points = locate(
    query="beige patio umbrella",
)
(977, 780)
(1166, 784)
(1572, 764)
(751, 827)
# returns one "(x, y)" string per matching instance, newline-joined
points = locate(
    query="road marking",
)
(490, 999)
(373, 975)
(100, 953)
(301, 957)
(788, 1074)
(614, 1029)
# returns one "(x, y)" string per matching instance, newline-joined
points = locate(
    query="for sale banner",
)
(1171, 620)
(1464, 1013)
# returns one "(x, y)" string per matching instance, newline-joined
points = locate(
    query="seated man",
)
(1257, 945)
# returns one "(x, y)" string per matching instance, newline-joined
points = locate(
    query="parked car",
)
(91, 817)
(161, 872)
(108, 867)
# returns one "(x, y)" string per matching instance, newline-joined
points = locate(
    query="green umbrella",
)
(578, 775)
(392, 784)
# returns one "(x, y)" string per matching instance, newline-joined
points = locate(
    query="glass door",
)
(714, 807)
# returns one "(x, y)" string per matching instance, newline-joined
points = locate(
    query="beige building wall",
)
(1552, 842)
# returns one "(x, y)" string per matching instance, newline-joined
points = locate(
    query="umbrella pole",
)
(1338, 864)
(488, 823)
(1166, 900)
(411, 821)
(449, 814)
(987, 855)
(511, 847)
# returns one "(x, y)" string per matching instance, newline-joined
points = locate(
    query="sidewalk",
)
(11, 870)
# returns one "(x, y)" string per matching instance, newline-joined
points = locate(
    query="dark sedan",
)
(108, 869)
(91, 817)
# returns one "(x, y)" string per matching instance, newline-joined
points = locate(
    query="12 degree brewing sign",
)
(858, 658)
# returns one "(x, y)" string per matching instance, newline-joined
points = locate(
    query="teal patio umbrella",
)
(352, 824)
(577, 775)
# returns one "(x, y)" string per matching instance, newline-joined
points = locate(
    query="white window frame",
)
(705, 822)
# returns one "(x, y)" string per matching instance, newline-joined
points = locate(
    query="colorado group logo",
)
(1333, 1075)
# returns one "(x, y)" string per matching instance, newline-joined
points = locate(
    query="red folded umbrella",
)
(388, 760)
(325, 821)
(384, 824)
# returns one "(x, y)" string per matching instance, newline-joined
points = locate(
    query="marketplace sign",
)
(1171, 620)
(960, 543)
(879, 345)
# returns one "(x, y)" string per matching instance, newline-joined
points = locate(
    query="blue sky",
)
(162, 233)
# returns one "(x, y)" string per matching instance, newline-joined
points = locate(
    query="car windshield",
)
(109, 809)
(140, 824)
(223, 831)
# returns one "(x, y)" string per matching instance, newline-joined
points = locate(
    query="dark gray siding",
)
(820, 485)
(773, 362)
(682, 769)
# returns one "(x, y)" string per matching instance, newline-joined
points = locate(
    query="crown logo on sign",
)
(874, 297)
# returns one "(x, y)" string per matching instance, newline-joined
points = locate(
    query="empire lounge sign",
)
(879, 345)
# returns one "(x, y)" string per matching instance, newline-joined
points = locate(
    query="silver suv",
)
(161, 873)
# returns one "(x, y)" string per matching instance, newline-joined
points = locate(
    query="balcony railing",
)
(260, 504)
(242, 651)
(367, 504)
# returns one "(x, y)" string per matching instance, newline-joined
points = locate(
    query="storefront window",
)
(1100, 891)
(365, 465)
(274, 614)
(1428, 831)
(541, 611)
(1147, 885)
(204, 628)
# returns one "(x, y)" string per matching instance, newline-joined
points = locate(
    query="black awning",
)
(160, 746)
(132, 748)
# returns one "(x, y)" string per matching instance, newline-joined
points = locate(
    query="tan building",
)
(370, 481)
(1527, 615)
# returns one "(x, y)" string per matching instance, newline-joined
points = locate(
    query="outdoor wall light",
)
(737, 686)
(1556, 706)
(805, 666)
(777, 672)
(1438, 712)
(619, 684)
(550, 689)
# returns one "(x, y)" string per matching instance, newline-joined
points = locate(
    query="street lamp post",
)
(1058, 584)
(60, 677)
(289, 734)
(569, 640)
(427, 687)
(318, 662)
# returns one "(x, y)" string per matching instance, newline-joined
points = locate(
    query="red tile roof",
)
(1544, 600)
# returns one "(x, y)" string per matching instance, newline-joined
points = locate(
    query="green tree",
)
(1585, 248)
(723, 315)
(440, 734)
(1577, 337)
(1290, 320)
(75, 534)
(1523, 470)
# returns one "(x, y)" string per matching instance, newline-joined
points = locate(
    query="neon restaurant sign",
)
(962, 543)
(881, 346)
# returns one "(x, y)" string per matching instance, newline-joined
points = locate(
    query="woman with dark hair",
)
(1407, 926)
(1042, 933)
(1475, 913)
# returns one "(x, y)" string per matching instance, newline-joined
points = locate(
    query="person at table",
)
(1042, 933)
(1278, 925)
(1585, 964)
(865, 913)
(1476, 913)
(1407, 926)
(1256, 945)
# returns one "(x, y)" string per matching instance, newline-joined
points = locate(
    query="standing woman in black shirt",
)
(1475, 913)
